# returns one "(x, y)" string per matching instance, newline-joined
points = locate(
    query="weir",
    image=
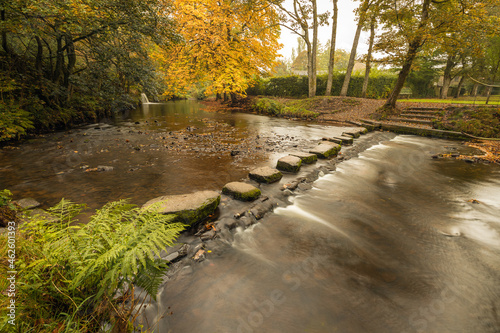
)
(144, 99)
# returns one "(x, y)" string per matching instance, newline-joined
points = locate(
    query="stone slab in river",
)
(241, 191)
(289, 163)
(343, 140)
(28, 203)
(189, 208)
(354, 134)
(326, 150)
(265, 175)
(306, 158)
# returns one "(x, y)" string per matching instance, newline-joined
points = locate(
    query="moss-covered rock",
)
(265, 175)
(289, 163)
(188, 208)
(241, 191)
(306, 158)
(326, 150)
(354, 134)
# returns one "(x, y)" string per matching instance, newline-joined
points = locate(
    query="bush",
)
(14, 121)
(379, 86)
(74, 278)
(273, 107)
(480, 121)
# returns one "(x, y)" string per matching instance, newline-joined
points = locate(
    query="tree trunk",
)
(59, 60)
(5, 45)
(450, 63)
(331, 61)
(352, 58)
(39, 55)
(70, 52)
(369, 58)
(312, 72)
(414, 46)
(460, 84)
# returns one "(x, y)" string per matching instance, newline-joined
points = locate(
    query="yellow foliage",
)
(225, 43)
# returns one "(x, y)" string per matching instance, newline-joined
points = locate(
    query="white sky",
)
(346, 28)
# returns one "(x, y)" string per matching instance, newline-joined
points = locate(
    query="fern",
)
(79, 269)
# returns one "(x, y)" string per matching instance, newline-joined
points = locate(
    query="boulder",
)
(306, 158)
(326, 150)
(265, 175)
(241, 191)
(289, 163)
(188, 208)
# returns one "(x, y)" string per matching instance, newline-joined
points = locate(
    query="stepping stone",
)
(241, 191)
(289, 163)
(28, 203)
(306, 158)
(343, 140)
(326, 150)
(188, 208)
(354, 134)
(265, 175)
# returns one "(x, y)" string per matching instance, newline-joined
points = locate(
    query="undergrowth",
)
(79, 277)
(273, 107)
(480, 121)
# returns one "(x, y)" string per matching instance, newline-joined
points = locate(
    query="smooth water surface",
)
(389, 242)
(158, 149)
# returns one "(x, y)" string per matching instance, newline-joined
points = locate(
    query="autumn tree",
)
(409, 25)
(369, 56)
(224, 43)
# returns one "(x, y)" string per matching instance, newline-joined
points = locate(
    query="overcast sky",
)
(346, 28)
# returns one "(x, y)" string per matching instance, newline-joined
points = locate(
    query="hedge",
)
(379, 86)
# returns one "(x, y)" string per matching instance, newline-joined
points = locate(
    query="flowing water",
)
(389, 242)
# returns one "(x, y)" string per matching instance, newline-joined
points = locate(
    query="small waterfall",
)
(144, 99)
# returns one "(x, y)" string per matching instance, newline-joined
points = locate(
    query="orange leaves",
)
(225, 43)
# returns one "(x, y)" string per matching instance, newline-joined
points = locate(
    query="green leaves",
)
(82, 268)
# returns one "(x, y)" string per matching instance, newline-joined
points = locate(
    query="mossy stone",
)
(325, 150)
(265, 175)
(241, 191)
(306, 158)
(289, 163)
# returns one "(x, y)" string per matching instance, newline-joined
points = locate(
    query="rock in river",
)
(289, 163)
(189, 208)
(326, 150)
(241, 191)
(265, 175)
(306, 158)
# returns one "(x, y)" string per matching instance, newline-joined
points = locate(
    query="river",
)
(391, 241)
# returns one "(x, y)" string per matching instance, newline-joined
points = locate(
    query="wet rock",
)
(228, 223)
(199, 256)
(306, 158)
(326, 150)
(208, 235)
(235, 152)
(247, 221)
(343, 140)
(175, 253)
(101, 168)
(265, 175)
(188, 208)
(293, 185)
(262, 208)
(185, 271)
(241, 191)
(289, 164)
(354, 134)
(28, 203)
(42, 214)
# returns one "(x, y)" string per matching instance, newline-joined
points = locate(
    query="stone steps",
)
(418, 116)
(414, 121)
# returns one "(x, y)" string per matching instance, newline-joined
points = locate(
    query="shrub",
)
(379, 86)
(14, 121)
